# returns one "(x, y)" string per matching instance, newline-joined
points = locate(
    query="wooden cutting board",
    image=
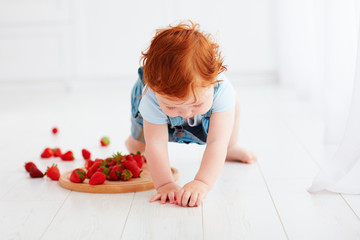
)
(134, 185)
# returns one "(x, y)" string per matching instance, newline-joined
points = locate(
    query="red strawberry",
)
(88, 164)
(86, 154)
(28, 165)
(35, 172)
(139, 160)
(53, 172)
(99, 160)
(97, 178)
(129, 157)
(54, 130)
(126, 175)
(78, 175)
(57, 152)
(133, 167)
(93, 169)
(47, 153)
(118, 157)
(110, 162)
(115, 173)
(104, 170)
(68, 156)
(104, 141)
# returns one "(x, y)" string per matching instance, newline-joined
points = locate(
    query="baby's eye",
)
(170, 107)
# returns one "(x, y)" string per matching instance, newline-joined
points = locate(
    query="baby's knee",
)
(134, 146)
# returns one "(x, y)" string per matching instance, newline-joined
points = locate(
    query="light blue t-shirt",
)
(224, 99)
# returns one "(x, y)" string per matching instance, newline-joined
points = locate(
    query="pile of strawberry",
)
(116, 168)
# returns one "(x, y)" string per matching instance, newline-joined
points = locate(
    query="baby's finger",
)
(179, 196)
(171, 197)
(185, 198)
(193, 199)
(155, 198)
(199, 199)
(163, 198)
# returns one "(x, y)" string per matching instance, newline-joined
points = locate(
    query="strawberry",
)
(78, 175)
(118, 157)
(47, 153)
(97, 178)
(133, 167)
(68, 156)
(139, 160)
(104, 141)
(104, 170)
(86, 154)
(88, 164)
(126, 175)
(53, 172)
(115, 173)
(99, 160)
(57, 152)
(93, 169)
(129, 157)
(110, 162)
(28, 165)
(54, 130)
(35, 172)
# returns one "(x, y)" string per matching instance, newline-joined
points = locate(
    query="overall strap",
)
(141, 72)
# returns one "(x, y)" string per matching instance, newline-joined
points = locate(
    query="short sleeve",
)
(224, 98)
(150, 110)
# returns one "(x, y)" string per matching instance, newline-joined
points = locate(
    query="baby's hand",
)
(165, 192)
(192, 193)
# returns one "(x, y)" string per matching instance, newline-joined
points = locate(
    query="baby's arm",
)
(156, 150)
(220, 129)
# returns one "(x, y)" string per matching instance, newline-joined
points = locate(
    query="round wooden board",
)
(134, 185)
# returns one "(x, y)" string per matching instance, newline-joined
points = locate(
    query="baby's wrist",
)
(204, 182)
(164, 184)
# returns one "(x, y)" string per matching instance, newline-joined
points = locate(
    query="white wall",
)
(59, 42)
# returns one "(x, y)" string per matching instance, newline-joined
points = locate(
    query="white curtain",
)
(318, 42)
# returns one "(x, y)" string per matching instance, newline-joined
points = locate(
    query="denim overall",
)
(178, 131)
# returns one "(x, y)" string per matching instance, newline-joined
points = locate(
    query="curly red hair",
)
(180, 60)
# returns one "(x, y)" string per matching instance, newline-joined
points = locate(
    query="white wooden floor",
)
(266, 200)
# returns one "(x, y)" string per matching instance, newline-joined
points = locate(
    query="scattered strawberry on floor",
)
(68, 156)
(54, 130)
(28, 166)
(53, 172)
(57, 152)
(104, 141)
(35, 172)
(86, 154)
(47, 153)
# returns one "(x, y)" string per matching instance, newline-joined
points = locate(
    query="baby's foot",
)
(237, 153)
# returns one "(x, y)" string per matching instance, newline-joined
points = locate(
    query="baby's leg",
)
(134, 146)
(234, 151)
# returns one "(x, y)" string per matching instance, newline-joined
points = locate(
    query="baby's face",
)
(187, 108)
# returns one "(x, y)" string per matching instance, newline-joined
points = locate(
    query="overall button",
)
(180, 134)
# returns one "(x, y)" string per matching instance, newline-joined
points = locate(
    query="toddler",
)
(183, 96)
